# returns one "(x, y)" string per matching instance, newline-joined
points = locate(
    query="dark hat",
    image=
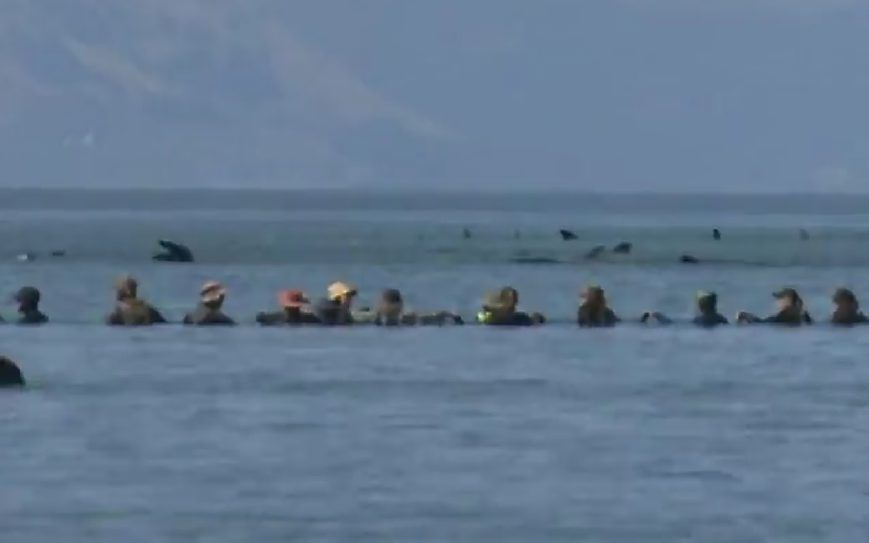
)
(28, 295)
(787, 293)
(844, 295)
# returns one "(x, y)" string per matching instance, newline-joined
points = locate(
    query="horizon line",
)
(457, 191)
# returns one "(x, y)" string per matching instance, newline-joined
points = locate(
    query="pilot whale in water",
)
(10, 374)
(173, 252)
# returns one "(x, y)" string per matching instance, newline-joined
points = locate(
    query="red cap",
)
(292, 298)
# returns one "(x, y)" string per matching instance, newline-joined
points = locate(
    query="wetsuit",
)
(208, 316)
(517, 318)
(32, 316)
(134, 312)
(709, 320)
(412, 319)
(789, 318)
(331, 313)
(287, 316)
(590, 317)
(847, 318)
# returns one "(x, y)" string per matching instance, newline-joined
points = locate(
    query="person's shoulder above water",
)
(589, 316)
(33, 317)
(28, 299)
(277, 318)
(520, 318)
(270, 318)
(791, 311)
(849, 318)
(292, 304)
(337, 308)
(328, 311)
(847, 308)
(130, 310)
(788, 317)
(209, 311)
(204, 316)
(594, 311)
(440, 318)
(499, 309)
(390, 311)
(134, 313)
(710, 320)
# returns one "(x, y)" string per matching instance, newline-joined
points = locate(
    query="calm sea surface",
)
(455, 434)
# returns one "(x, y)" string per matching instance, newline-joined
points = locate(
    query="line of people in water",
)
(499, 308)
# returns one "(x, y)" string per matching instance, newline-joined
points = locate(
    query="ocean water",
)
(455, 434)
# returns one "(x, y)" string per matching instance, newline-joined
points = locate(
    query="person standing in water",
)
(594, 312)
(791, 311)
(209, 311)
(336, 310)
(707, 310)
(28, 306)
(390, 312)
(130, 310)
(292, 302)
(847, 311)
(499, 309)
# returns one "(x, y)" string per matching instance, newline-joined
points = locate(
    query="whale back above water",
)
(173, 252)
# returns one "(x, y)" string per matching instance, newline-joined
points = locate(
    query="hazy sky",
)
(669, 95)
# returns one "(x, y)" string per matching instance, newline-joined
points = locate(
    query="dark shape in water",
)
(26, 257)
(716, 234)
(10, 375)
(567, 235)
(804, 234)
(623, 248)
(688, 259)
(535, 260)
(595, 252)
(58, 254)
(175, 252)
(517, 234)
(466, 233)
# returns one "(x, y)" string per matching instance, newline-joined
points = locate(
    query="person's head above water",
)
(390, 307)
(509, 298)
(788, 299)
(494, 302)
(594, 295)
(391, 303)
(342, 292)
(28, 298)
(126, 288)
(707, 302)
(212, 294)
(845, 300)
